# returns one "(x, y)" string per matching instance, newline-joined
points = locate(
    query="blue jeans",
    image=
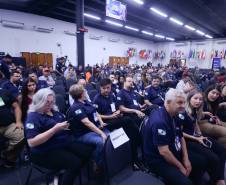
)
(95, 139)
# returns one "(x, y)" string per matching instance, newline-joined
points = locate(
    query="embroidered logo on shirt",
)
(30, 126)
(95, 105)
(181, 116)
(78, 112)
(146, 93)
(118, 98)
(161, 132)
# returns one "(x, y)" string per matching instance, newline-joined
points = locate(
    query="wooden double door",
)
(36, 59)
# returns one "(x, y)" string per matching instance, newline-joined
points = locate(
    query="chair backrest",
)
(69, 83)
(116, 159)
(60, 102)
(92, 94)
(59, 89)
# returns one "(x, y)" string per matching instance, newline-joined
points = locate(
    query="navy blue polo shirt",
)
(42, 84)
(38, 123)
(115, 88)
(161, 130)
(155, 96)
(128, 98)
(187, 122)
(12, 88)
(4, 69)
(77, 112)
(105, 105)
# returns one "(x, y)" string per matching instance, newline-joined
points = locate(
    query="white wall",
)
(14, 41)
(207, 45)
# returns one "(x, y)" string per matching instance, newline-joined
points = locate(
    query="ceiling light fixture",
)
(200, 32)
(147, 33)
(176, 21)
(139, 2)
(208, 36)
(131, 28)
(113, 23)
(169, 38)
(159, 36)
(92, 16)
(159, 12)
(190, 27)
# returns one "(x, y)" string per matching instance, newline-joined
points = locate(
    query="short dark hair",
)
(13, 72)
(8, 56)
(156, 77)
(105, 81)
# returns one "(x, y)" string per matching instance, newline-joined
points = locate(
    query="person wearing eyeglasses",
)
(46, 75)
(50, 141)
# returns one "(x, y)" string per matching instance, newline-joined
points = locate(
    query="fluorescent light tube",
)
(208, 36)
(131, 28)
(159, 36)
(176, 21)
(158, 12)
(113, 23)
(139, 2)
(169, 38)
(92, 16)
(147, 33)
(200, 32)
(190, 27)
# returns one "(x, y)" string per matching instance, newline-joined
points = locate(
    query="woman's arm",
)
(45, 136)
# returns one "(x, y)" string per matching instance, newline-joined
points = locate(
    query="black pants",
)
(137, 120)
(131, 129)
(173, 176)
(69, 158)
(215, 158)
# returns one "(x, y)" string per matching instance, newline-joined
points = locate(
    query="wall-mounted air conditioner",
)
(222, 42)
(12, 24)
(113, 39)
(70, 33)
(129, 41)
(95, 37)
(45, 30)
(200, 43)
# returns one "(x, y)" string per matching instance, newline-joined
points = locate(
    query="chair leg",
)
(29, 176)
(80, 178)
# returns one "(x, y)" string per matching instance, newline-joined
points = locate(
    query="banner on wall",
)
(216, 64)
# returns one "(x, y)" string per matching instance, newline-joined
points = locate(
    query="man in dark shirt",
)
(11, 127)
(4, 68)
(105, 102)
(13, 85)
(165, 148)
(128, 102)
(154, 95)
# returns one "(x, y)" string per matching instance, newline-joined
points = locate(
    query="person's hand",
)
(104, 137)
(102, 125)
(187, 166)
(201, 140)
(218, 121)
(183, 170)
(61, 126)
(144, 106)
(208, 114)
(140, 114)
(19, 125)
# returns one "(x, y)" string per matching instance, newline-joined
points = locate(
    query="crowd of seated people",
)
(184, 135)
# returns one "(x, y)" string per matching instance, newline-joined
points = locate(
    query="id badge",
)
(177, 143)
(95, 116)
(1, 102)
(113, 109)
(135, 102)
